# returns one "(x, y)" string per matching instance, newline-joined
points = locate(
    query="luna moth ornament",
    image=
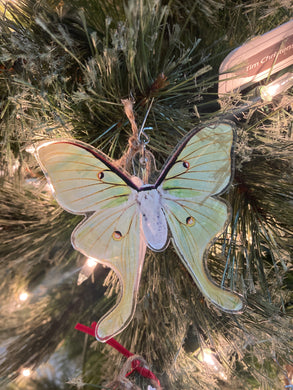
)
(123, 216)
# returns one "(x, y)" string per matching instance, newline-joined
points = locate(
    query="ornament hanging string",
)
(133, 361)
(137, 144)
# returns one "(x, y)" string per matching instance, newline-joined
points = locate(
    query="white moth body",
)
(154, 222)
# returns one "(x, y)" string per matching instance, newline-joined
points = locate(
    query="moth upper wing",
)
(200, 168)
(193, 225)
(114, 236)
(81, 178)
(201, 165)
(84, 181)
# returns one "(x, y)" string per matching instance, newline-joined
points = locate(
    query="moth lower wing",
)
(201, 166)
(114, 237)
(193, 226)
(79, 177)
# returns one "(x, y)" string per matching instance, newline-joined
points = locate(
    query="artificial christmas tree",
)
(65, 66)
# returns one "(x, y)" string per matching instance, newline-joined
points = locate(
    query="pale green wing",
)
(193, 225)
(84, 181)
(114, 237)
(81, 178)
(201, 166)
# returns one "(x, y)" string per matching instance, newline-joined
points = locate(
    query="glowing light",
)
(272, 90)
(209, 358)
(26, 372)
(91, 262)
(23, 296)
(30, 149)
(276, 87)
(86, 270)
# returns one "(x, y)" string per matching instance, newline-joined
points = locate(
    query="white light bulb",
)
(209, 358)
(278, 86)
(91, 262)
(86, 270)
(26, 372)
(23, 296)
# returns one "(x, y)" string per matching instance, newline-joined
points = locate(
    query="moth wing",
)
(81, 178)
(193, 225)
(84, 181)
(200, 168)
(115, 238)
(201, 165)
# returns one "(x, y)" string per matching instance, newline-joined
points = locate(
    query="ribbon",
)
(145, 372)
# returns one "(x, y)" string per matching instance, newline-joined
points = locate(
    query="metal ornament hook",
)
(142, 128)
(146, 138)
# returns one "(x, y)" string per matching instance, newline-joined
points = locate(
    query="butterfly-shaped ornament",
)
(124, 216)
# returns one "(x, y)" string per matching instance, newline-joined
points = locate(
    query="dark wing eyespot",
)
(117, 236)
(186, 164)
(100, 175)
(190, 221)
